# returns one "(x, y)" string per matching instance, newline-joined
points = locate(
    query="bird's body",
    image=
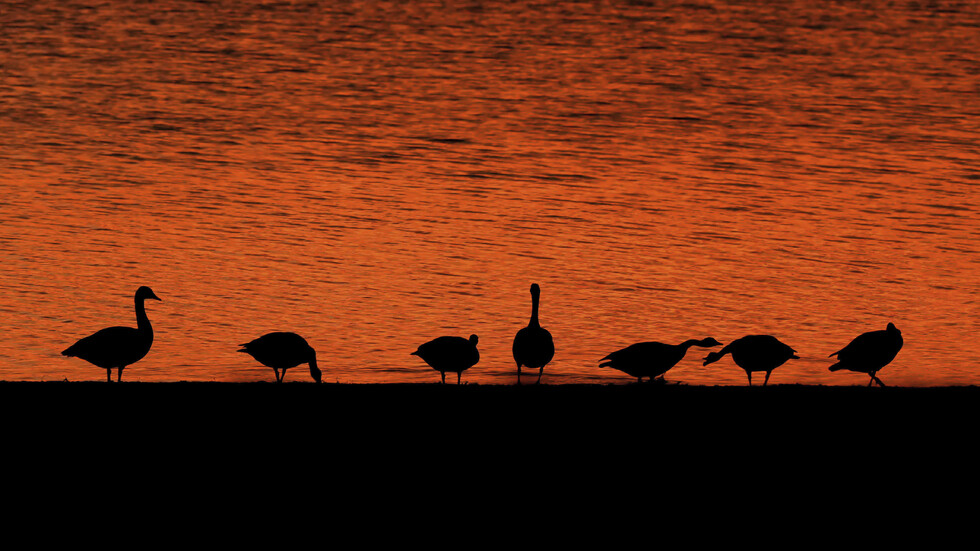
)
(452, 354)
(651, 359)
(283, 350)
(533, 345)
(756, 353)
(869, 352)
(117, 347)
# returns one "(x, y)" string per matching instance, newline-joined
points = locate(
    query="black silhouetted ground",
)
(346, 435)
(200, 409)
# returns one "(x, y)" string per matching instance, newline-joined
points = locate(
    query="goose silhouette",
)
(453, 354)
(533, 345)
(118, 347)
(651, 359)
(869, 352)
(283, 350)
(755, 353)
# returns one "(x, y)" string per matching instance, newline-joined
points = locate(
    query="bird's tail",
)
(244, 348)
(605, 364)
(836, 367)
(70, 351)
(416, 353)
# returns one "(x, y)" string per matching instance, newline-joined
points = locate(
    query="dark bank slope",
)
(349, 408)
(364, 439)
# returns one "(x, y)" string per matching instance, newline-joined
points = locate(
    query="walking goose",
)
(869, 352)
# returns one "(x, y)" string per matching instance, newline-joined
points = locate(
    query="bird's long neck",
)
(143, 322)
(534, 311)
(314, 370)
(688, 344)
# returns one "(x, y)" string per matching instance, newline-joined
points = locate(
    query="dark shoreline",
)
(346, 434)
(649, 405)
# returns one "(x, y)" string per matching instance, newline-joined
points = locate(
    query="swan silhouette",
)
(533, 345)
(651, 359)
(118, 347)
(869, 352)
(755, 353)
(283, 351)
(453, 354)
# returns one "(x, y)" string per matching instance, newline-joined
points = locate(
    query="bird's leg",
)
(540, 371)
(283, 378)
(877, 380)
(108, 374)
(518, 373)
(119, 375)
(872, 380)
(639, 380)
(277, 373)
(459, 377)
(768, 373)
(443, 377)
(749, 373)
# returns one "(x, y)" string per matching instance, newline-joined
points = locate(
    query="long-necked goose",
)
(283, 350)
(533, 345)
(453, 354)
(869, 352)
(651, 359)
(118, 347)
(755, 353)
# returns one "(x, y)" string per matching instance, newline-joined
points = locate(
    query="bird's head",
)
(708, 342)
(891, 327)
(145, 292)
(535, 290)
(314, 370)
(474, 339)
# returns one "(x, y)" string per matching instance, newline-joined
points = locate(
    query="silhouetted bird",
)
(651, 359)
(756, 353)
(283, 351)
(453, 354)
(533, 346)
(870, 352)
(118, 347)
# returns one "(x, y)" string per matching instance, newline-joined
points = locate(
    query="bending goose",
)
(283, 350)
(870, 352)
(756, 353)
(652, 359)
(533, 345)
(453, 354)
(118, 347)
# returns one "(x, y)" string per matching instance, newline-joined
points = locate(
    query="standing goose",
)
(756, 353)
(282, 351)
(453, 354)
(869, 352)
(651, 359)
(118, 347)
(533, 345)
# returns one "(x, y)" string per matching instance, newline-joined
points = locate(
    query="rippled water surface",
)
(375, 174)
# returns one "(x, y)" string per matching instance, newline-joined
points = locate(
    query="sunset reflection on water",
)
(377, 174)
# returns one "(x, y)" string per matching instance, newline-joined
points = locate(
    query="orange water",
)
(375, 174)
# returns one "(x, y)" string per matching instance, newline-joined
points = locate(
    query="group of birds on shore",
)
(118, 347)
